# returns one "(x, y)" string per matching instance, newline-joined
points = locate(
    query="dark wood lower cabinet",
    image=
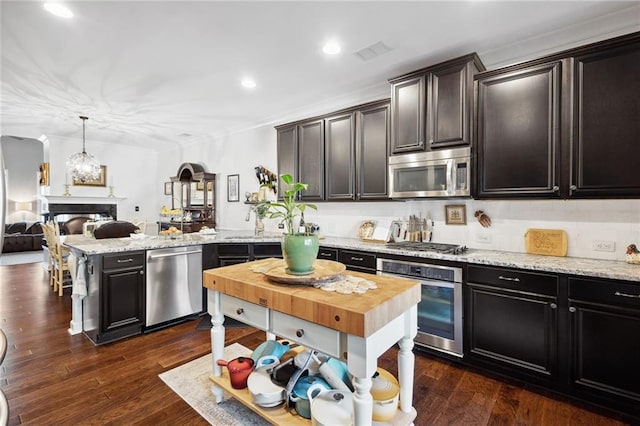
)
(605, 341)
(515, 329)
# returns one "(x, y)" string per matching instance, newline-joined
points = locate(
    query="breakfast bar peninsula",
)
(356, 328)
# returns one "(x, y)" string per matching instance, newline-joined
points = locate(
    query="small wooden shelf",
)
(281, 415)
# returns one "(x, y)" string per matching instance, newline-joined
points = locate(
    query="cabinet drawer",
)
(233, 250)
(328, 253)
(605, 291)
(267, 250)
(358, 259)
(123, 260)
(306, 333)
(244, 311)
(514, 279)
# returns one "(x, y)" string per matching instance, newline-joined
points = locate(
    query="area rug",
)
(191, 382)
(20, 258)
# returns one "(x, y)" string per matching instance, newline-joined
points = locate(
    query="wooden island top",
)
(355, 314)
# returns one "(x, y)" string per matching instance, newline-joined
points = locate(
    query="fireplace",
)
(94, 207)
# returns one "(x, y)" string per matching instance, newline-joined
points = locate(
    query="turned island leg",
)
(362, 401)
(406, 360)
(217, 339)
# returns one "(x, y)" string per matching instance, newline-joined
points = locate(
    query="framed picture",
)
(455, 214)
(44, 174)
(101, 181)
(167, 188)
(233, 188)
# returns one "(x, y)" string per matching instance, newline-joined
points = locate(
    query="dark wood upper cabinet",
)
(606, 136)
(372, 151)
(566, 125)
(287, 153)
(311, 159)
(518, 132)
(407, 116)
(340, 150)
(436, 102)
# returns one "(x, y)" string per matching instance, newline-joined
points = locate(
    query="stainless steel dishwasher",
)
(174, 284)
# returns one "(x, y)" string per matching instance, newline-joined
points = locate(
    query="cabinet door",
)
(372, 153)
(518, 133)
(448, 122)
(287, 154)
(122, 292)
(606, 156)
(407, 115)
(606, 350)
(513, 329)
(340, 170)
(311, 159)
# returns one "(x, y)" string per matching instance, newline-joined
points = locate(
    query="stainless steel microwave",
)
(441, 173)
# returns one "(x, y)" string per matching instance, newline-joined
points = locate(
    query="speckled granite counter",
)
(564, 265)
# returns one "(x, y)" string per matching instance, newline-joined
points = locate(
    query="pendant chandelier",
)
(82, 166)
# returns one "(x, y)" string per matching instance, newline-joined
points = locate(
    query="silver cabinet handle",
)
(556, 188)
(572, 309)
(181, 253)
(508, 278)
(573, 187)
(124, 260)
(325, 254)
(633, 296)
(553, 306)
(358, 259)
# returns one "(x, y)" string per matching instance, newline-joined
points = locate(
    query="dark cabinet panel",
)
(606, 156)
(340, 150)
(449, 121)
(513, 326)
(287, 154)
(518, 133)
(604, 325)
(372, 152)
(328, 253)
(311, 159)
(358, 261)
(122, 292)
(408, 115)
(122, 286)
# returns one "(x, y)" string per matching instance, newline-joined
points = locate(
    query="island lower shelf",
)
(281, 415)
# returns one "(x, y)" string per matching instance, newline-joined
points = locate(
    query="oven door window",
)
(421, 179)
(436, 309)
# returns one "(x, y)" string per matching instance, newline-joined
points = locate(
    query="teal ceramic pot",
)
(299, 252)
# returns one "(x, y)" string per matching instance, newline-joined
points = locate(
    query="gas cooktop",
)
(426, 246)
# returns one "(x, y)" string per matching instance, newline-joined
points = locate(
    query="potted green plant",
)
(299, 246)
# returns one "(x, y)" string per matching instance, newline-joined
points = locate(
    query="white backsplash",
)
(584, 221)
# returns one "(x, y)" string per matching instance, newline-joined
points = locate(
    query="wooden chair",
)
(48, 231)
(59, 255)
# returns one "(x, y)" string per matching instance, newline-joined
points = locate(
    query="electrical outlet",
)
(483, 238)
(603, 245)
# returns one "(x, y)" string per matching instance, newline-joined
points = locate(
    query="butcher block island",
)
(357, 328)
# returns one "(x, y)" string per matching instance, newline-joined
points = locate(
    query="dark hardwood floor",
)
(53, 378)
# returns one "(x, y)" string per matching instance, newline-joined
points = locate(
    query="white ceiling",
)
(159, 73)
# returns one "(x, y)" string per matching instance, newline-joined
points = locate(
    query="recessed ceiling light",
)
(58, 9)
(248, 83)
(331, 48)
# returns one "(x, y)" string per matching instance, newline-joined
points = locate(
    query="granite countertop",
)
(564, 265)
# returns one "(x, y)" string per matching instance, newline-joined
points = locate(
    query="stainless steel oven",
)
(440, 309)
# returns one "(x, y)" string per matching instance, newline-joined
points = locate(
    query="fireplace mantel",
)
(61, 199)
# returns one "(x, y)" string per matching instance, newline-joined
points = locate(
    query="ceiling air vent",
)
(372, 51)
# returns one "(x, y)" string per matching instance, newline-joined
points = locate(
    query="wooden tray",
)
(322, 270)
(550, 242)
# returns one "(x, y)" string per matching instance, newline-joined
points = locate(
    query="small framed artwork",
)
(44, 174)
(233, 188)
(101, 181)
(167, 188)
(455, 214)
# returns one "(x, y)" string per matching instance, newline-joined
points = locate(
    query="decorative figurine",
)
(484, 220)
(633, 254)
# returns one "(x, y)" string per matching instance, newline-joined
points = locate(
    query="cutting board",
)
(550, 242)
